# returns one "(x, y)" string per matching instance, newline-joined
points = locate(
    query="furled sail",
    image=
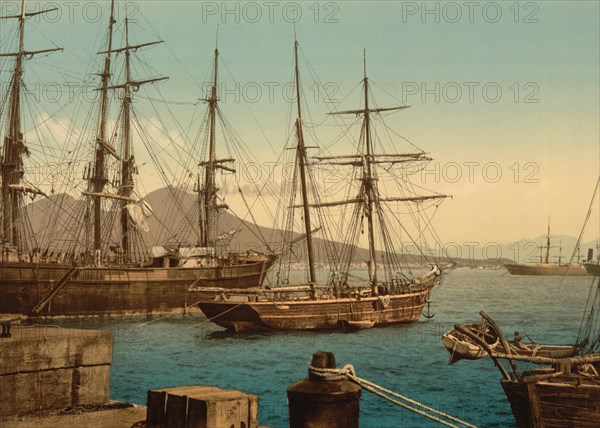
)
(138, 213)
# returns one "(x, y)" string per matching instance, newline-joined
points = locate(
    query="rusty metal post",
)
(319, 402)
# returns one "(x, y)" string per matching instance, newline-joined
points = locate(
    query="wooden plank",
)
(534, 406)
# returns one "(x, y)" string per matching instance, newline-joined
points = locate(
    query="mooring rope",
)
(189, 306)
(216, 316)
(348, 372)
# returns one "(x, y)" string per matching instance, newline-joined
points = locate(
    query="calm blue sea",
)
(410, 359)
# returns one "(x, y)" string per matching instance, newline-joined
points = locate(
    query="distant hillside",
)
(561, 246)
(170, 205)
(168, 225)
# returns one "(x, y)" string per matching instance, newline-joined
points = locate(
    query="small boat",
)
(464, 342)
(565, 390)
(547, 351)
(566, 395)
(357, 325)
(462, 347)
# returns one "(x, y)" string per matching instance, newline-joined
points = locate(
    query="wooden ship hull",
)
(545, 269)
(566, 400)
(460, 348)
(314, 314)
(114, 219)
(52, 289)
(322, 314)
(546, 351)
(564, 392)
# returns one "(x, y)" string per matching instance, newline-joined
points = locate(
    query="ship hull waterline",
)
(325, 314)
(593, 269)
(115, 290)
(543, 269)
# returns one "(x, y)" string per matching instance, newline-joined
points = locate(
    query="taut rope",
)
(348, 372)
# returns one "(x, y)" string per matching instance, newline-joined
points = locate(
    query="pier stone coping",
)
(207, 406)
(14, 318)
(125, 416)
(31, 349)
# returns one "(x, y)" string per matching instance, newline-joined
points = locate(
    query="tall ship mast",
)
(394, 298)
(208, 202)
(210, 191)
(124, 192)
(15, 148)
(302, 161)
(369, 196)
(98, 180)
(104, 265)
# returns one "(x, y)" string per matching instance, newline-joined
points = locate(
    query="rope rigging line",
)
(215, 317)
(185, 311)
(330, 250)
(258, 233)
(178, 103)
(250, 109)
(586, 326)
(348, 372)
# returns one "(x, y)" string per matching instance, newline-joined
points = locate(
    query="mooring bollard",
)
(320, 401)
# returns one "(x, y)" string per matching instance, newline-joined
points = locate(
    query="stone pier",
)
(49, 368)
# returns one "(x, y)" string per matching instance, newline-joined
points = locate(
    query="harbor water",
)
(409, 359)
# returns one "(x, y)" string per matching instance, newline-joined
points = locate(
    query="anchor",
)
(429, 315)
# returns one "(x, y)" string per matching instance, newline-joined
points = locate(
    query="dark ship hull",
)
(60, 289)
(313, 315)
(564, 392)
(592, 269)
(545, 269)
(323, 314)
(567, 400)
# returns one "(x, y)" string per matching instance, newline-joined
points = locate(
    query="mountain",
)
(170, 204)
(561, 246)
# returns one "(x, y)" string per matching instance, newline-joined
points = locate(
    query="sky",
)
(504, 95)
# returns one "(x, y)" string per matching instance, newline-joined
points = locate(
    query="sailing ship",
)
(564, 388)
(97, 273)
(545, 267)
(398, 297)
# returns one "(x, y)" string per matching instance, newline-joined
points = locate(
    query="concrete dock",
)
(122, 415)
(48, 368)
(60, 377)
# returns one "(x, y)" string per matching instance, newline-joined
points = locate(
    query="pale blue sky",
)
(549, 55)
